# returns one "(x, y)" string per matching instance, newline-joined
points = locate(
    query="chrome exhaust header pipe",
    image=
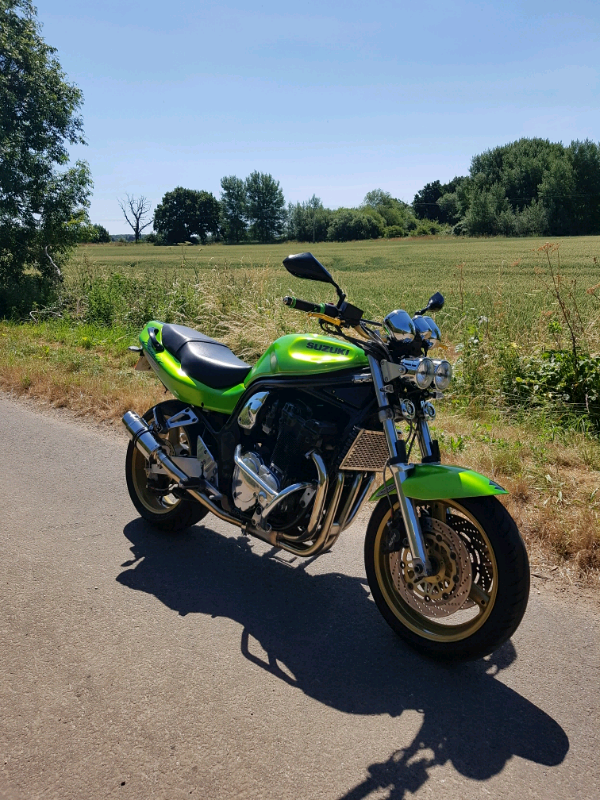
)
(320, 542)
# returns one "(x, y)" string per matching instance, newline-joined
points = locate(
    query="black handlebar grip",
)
(304, 305)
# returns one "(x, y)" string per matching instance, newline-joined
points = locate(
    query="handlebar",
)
(328, 309)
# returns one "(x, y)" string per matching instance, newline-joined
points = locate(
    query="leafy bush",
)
(568, 382)
(429, 227)
(348, 224)
(474, 378)
(29, 294)
(394, 231)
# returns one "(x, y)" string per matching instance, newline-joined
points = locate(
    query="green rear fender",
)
(441, 482)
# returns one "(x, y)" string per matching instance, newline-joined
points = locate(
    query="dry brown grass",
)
(103, 393)
(554, 489)
(99, 399)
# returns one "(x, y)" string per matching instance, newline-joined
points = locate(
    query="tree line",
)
(528, 187)
(531, 187)
(254, 209)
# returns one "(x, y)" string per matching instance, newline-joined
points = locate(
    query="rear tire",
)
(479, 594)
(167, 512)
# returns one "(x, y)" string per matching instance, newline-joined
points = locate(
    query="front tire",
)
(149, 493)
(478, 595)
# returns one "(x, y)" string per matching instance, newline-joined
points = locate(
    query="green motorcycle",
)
(288, 450)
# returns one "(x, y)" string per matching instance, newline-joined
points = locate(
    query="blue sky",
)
(332, 98)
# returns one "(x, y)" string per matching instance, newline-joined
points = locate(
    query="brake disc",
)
(482, 569)
(447, 590)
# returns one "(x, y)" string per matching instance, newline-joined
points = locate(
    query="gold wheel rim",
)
(139, 472)
(472, 617)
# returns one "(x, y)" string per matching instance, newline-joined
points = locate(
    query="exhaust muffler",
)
(150, 447)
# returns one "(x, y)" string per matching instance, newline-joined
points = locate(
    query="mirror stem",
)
(340, 294)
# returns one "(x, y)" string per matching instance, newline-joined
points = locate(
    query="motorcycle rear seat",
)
(174, 336)
(204, 359)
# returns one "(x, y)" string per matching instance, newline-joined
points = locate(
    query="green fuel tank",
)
(302, 354)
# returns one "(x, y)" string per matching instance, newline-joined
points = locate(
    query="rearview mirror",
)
(435, 303)
(305, 265)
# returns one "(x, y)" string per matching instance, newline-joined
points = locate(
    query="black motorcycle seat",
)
(174, 336)
(204, 359)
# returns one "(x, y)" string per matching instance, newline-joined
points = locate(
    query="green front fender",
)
(441, 482)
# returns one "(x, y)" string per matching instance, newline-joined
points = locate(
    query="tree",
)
(266, 206)
(185, 214)
(40, 206)
(427, 204)
(351, 223)
(93, 234)
(102, 235)
(135, 210)
(308, 221)
(233, 209)
(585, 158)
(488, 211)
(314, 209)
(395, 213)
(378, 199)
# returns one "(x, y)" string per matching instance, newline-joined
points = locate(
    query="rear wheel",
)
(478, 593)
(151, 491)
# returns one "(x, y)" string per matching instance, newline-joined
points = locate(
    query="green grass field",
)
(495, 278)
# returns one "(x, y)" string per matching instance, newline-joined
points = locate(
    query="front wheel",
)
(478, 593)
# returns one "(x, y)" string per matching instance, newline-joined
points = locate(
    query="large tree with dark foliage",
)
(265, 206)
(185, 214)
(233, 209)
(40, 204)
(426, 201)
(533, 186)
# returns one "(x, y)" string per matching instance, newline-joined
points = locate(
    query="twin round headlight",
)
(443, 374)
(425, 371)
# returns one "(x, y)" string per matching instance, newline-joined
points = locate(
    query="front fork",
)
(401, 470)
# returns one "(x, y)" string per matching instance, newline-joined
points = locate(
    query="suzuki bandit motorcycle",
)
(288, 450)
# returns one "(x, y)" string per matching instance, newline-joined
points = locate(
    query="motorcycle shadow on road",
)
(323, 635)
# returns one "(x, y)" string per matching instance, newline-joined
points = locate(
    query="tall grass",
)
(508, 333)
(241, 307)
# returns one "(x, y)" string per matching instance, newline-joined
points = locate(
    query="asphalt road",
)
(205, 665)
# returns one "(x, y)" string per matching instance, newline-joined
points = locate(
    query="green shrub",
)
(429, 227)
(29, 294)
(559, 379)
(394, 231)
